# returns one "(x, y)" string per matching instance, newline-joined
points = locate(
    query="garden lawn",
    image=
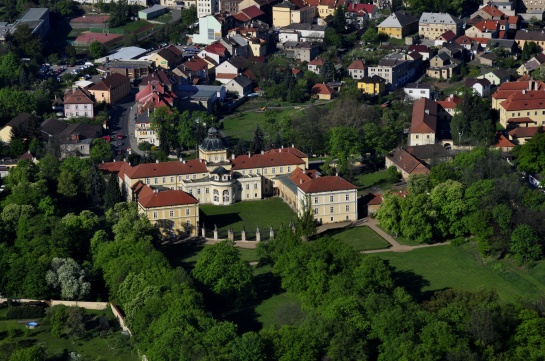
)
(360, 238)
(368, 180)
(186, 255)
(249, 214)
(133, 26)
(423, 271)
(242, 125)
(111, 348)
(269, 310)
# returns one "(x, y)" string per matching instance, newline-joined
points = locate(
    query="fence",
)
(83, 304)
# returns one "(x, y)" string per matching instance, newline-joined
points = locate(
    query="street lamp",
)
(460, 138)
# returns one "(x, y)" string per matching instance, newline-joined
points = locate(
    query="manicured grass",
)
(187, 254)
(242, 125)
(251, 214)
(112, 347)
(360, 238)
(372, 179)
(423, 271)
(133, 26)
(275, 310)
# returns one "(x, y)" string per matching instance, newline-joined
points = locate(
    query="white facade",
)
(209, 30)
(415, 93)
(207, 7)
(130, 2)
(78, 110)
(144, 133)
(331, 207)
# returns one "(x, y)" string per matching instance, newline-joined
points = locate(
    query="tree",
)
(418, 183)
(530, 157)
(75, 325)
(189, 16)
(344, 146)
(306, 224)
(66, 7)
(67, 185)
(27, 44)
(370, 35)
(393, 174)
(97, 49)
(339, 19)
(524, 244)
(221, 270)
(249, 347)
(258, 141)
(472, 123)
(33, 353)
(101, 151)
(240, 148)
(327, 71)
(112, 195)
(68, 277)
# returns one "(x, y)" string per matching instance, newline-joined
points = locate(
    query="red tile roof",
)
(524, 120)
(248, 14)
(492, 11)
(482, 41)
(273, 158)
(322, 89)
(111, 167)
(166, 198)
(463, 40)
(525, 100)
(112, 81)
(195, 64)
(450, 102)
(419, 48)
(317, 61)
(326, 184)
(502, 142)
(360, 8)
(487, 25)
(448, 36)
(216, 48)
(525, 132)
(407, 162)
(296, 152)
(376, 199)
(357, 64)
(150, 170)
(78, 96)
(424, 117)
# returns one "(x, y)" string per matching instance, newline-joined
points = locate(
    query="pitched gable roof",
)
(492, 11)
(272, 158)
(407, 162)
(78, 96)
(501, 141)
(398, 19)
(19, 119)
(150, 170)
(166, 198)
(326, 184)
(448, 36)
(195, 64)
(357, 64)
(322, 89)
(424, 117)
(524, 100)
(112, 81)
(318, 62)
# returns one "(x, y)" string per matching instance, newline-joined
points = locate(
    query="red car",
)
(120, 136)
(107, 138)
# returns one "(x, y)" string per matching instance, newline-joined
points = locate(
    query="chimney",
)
(262, 152)
(427, 111)
(157, 161)
(183, 161)
(233, 156)
(300, 181)
(524, 92)
(249, 154)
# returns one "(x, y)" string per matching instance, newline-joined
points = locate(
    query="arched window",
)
(216, 195)
(226, 196)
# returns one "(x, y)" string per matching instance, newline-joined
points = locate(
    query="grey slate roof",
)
(242, 81)
(398, 19)
(438, 18)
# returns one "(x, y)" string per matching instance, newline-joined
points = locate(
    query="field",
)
(360, 238)
(252, 214)
(112, 347)
(366, 181)
(134, 26)
(242, 125)
(423, 271)
(185, 255)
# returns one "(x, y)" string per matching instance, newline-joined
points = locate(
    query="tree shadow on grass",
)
(266, 285)
(413, 283)
(222, 221)
(178, 254)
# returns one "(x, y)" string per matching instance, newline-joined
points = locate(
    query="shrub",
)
(25, 311)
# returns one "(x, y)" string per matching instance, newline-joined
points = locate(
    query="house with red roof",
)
(373, 201)
(509, 88)
(423, 50)
(155, 95)
(174, 212)
(111, 89)
(424, 122)
(525, 103)
(247, 15)
(519, 136)
(502, 142)
(405, 163)
(322, 92)
(357, 69)
(78, 103)
(359, 14)
(196, 67)
(315, 65)
(484, 29)
(447, 37)
(332, 198)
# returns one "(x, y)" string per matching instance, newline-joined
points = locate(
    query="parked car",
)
(120, 136)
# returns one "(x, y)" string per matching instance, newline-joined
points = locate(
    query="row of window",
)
(171, 213)
(332, 198)
(332, 209)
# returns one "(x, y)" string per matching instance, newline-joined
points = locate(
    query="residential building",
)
(415, 91)
(519, 136)
(325, 7)
(531, 7)
(424, 122)
(509, 88)
(496, 77)
(111, 89)
(357, 69)
(398, 25)
(531, 65)
(488, 29)
(302, 32)
(433, 25)
(304, 15)
(287, 13)
(240, 85)
(174, 212)
(525, 103)
(322, 92)
(443, 66)
(502, 142)
(78, 103)
(196, 68)
(74, 139)
(155, 95)
(152, 12)
(19, 121)
(315, 65)
(447, 110)
(423, 50)
(480, 86)
(359, 15)
(143, 131)
(507, 44)
(130, 68)
(405, 163)
(332, 198)
(524, 36)
(230, 69)
(395, 68)
(166, 78)
(215, 51)
(488, 12)
(304, 51)
(446, 37)
(210, 28)
(165, 59)
(372, 85)
(207, 7)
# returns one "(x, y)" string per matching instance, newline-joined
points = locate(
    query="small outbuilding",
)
(152, 12)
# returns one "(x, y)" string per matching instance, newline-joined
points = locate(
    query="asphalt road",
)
(119, 124)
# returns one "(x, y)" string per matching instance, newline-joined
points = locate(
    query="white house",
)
(415, 91)
(78, 103)
(230, 69)
(207, 7)
(302, 32)
(480, 86)
(209, 30)
(240, 85)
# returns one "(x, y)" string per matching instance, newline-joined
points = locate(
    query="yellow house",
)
(322, 92)
(164, 59)
(332, 198)
(20, 120)
(175, 212)
(523, 107)
(372, 85)
(282, 14)
(111, 89)
(398, 25)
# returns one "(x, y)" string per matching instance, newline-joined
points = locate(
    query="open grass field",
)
(242, 125)
(360, 238)
(423, 271)
(366, 181)
(187, 254)
(252, 214)
(134, 26)
(112, 347)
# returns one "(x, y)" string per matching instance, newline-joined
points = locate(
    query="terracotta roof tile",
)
(357, 64)
(273, 158)
(502, 142)
(326, 184)
(525, 132)
(111, 167)
(525, 100)
(166, 198)
(424, 117)
(78, 96)
(523, 120)
(404, 160)
(150, 170)
(322, 89)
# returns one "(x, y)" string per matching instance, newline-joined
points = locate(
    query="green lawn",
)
(133, 26)
(186, 254)
(280, 309)
(112, 347)
(242, 125)
(368, 180)
(252, 214)
(360, 238)
(423, 271)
